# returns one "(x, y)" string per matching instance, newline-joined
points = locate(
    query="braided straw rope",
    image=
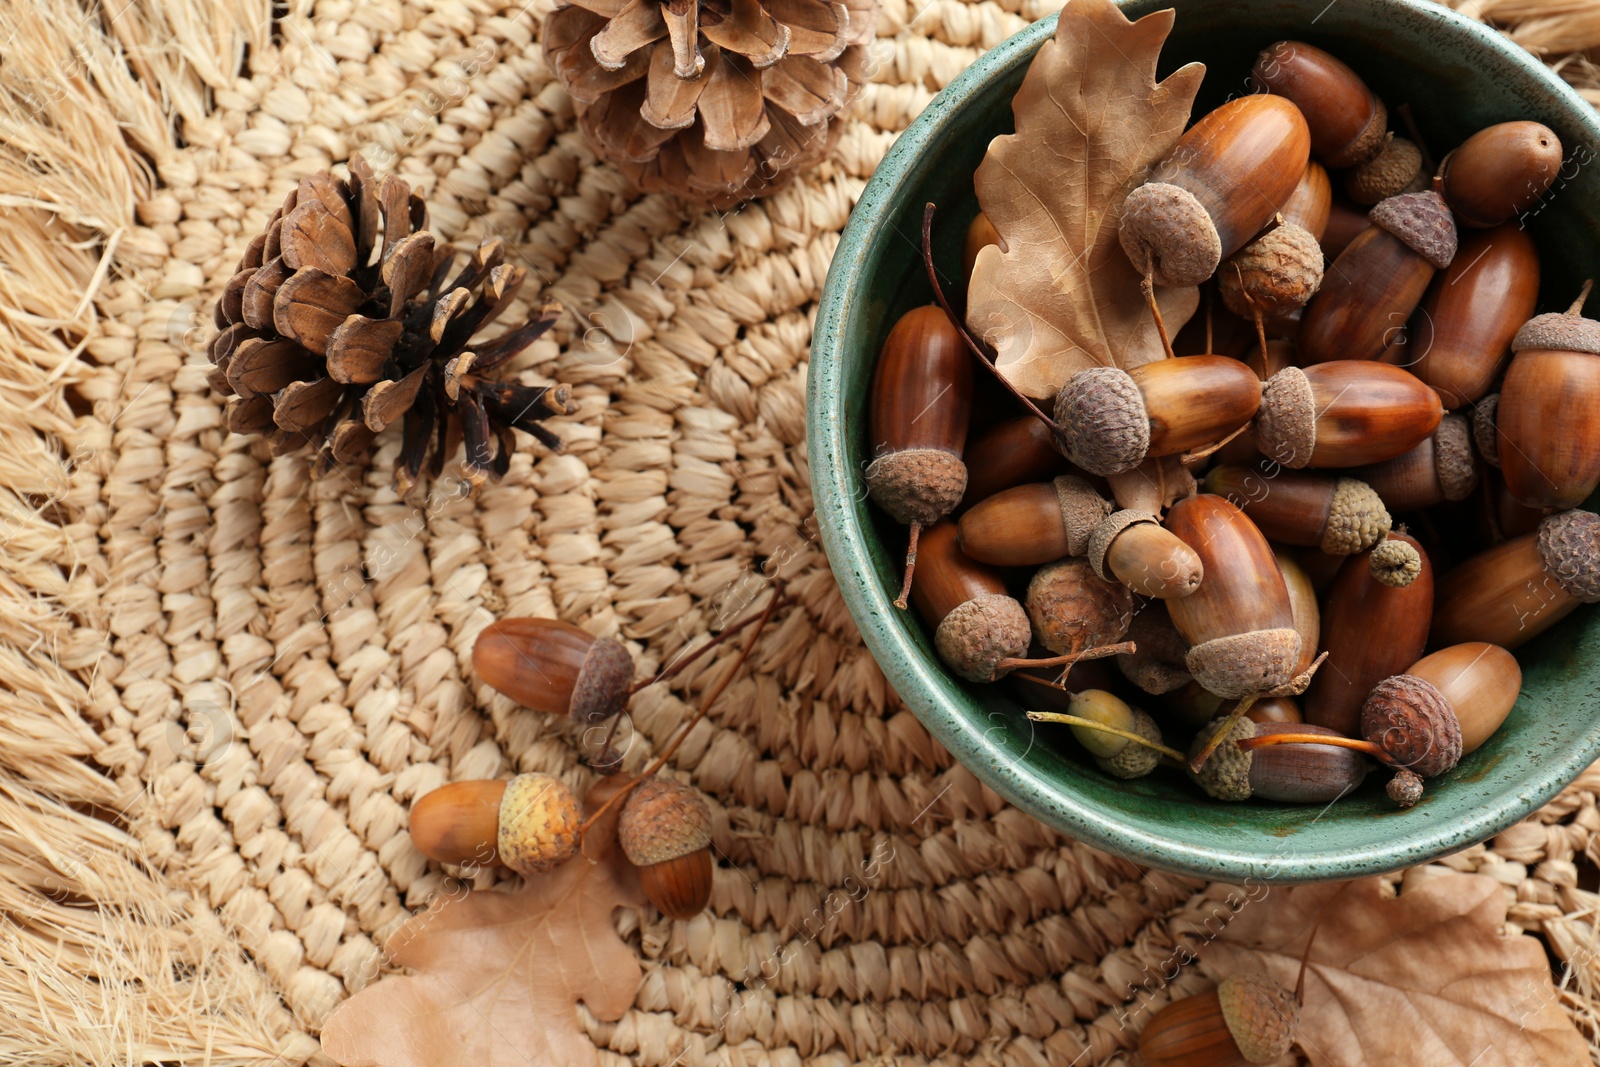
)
(226, 683)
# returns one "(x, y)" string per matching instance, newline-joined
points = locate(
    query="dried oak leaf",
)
(1426, 977)
(1091, 120)
(498, 977)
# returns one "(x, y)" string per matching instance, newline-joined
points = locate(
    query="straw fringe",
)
(228, 682)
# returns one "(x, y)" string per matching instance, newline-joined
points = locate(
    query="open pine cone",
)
(718, 100)
(323, 343)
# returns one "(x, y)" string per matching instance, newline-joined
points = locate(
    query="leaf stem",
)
(1090, 724)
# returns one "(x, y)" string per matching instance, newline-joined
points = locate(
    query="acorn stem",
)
(1210, 293)
(1090, 724)
(1125, 648)
(1148, 287)
(911, 566)
(973, 343)
(1223, 732)
(677, 666)
(1583, 295)
(705, 706)
(1202, 453)
(1261, 325)
(1249, 744)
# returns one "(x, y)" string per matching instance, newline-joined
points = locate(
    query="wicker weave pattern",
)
(270, 669)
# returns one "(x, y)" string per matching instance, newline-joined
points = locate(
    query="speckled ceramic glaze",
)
(1458, 76)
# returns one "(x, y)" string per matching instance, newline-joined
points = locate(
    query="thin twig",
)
(1090, 724)
(1126, 648)
(1223, 732)
(911, 566)
(677, 666)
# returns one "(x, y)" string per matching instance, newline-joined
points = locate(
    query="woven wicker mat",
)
(225, 683)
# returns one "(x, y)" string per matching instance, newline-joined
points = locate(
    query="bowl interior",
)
(1457, 77)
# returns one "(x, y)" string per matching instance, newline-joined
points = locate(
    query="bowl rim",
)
(925, 689)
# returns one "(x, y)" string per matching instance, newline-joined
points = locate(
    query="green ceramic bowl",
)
(1458, 77)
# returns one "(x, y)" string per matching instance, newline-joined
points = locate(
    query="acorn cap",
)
(1386, 174)
(1357, 519)
(1405, 788)
(1410, 719)
(1368, 143)
(538, 825)
(1226, 773)
(1286, 422)
(661, 820)
(1156, 663)
(604, 680)
(1275, 274)
(1103, 421)
(1165, 230)
(1240, 664)
(1483, 429)
(1134, 760)
(1423, 221)
(980, 633)
(1395, 563)
(1261, 1015)
(1558, 332)
(1453, 462)
(917, 485)
(1105, 533)
(1082, 509)
(1569, 546)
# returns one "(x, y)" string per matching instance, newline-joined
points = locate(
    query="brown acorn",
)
(1443, 467)
(530, 824)
(977, 625)
(1277, 272)
(1479, 681)
(1245, 1020)
(1500, 172)
(552, 666)
(1072, 608)
(1221, 183)
(1239, 623)
(1131, 547)
(920, 405)
(1345, 119)
(1010, 453)
(665, 831)
(1500, 515)
(1275, 711)
(1347, 413)
(1027, 525)
(1340, 516)
(1370, 630)
(1461, 335)
(1307, 613)
(1509, 594)
(1548, 439)
(1299, 773)
(1111, 419)
(1378, 281)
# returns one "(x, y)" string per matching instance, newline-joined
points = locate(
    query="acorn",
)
(1131, 547)
(530, 824)
(1072, 608)
(1461, 334)
(1396, 169)
(1245, 1020)
(1370, 630)
(1027, 525)
(1500, 515)
(555, 667)
(1341, 516)
(1305, 609)
(1347, 413)
(1345, 120)
(1239, 623)
(1378, 281)
(1113, 751)
(1443, 467)
(1476, 682)
(1010, 453)
(1509, 594)
(1289, 773)
(1275, 711)
(1111, 419)
(665, 831)
(1215, 190)
(1156, 665)
(977, 625)
(980, 235)
(1548, 439)
(1277, 272)
(921, 403)
(1500, 172)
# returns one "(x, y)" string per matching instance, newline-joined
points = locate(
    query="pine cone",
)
(719, 100)
(323, 344)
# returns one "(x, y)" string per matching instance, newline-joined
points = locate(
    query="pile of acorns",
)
(1316, 426)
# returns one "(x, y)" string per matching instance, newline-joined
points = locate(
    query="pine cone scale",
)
(310, 305)
(749, 31)
(808, 90)
(732, 107)
(313, 238)
(360, 347)
(670, 102)
(637, 25)
(259, 293)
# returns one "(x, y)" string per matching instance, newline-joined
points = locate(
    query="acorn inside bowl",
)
(1458, 77)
